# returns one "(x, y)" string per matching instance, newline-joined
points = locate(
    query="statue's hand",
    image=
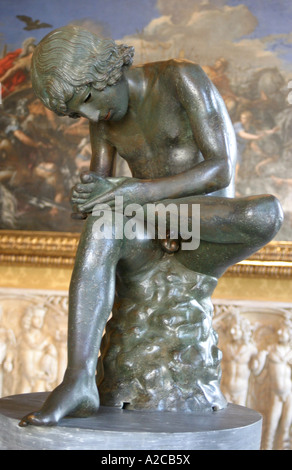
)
(91, 185)
(131, 190)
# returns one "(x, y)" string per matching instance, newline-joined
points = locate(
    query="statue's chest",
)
(156, 130)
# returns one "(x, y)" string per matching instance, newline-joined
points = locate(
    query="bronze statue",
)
(168, 121)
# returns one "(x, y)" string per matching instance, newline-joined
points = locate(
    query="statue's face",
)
(110, 104)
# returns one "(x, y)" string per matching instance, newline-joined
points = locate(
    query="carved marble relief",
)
(255, 338)
(256, 341)
(33, 335)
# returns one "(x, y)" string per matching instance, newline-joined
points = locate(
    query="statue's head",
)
(70, 60)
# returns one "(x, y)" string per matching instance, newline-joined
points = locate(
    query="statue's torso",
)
(155, 137)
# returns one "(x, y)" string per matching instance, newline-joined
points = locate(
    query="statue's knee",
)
(106, 226)
(267, 216)
(274, 213)
(99, 239)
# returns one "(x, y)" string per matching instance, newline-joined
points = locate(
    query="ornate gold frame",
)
(58, 249)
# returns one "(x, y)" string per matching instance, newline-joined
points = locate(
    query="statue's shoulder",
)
(172, 66)
(174, 76)
(173, 70)
(186, 68)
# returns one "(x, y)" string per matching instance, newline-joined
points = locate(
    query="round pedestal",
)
(233, 428)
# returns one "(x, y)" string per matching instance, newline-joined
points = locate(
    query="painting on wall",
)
(245, 47)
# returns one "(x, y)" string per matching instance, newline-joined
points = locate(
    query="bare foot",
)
(70, 398)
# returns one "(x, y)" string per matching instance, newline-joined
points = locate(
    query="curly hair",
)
(69, 59)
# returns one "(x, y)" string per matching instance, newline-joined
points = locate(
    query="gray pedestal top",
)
(233, 428)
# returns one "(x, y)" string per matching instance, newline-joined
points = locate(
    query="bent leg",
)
(231, 230)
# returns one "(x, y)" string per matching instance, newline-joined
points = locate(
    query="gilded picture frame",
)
(58, 249)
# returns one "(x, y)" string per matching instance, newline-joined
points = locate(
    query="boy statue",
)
(168, 121)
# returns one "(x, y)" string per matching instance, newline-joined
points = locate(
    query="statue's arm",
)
(103, 154)
(212, 131)
(95, 182)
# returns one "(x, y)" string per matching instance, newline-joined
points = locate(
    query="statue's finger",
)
(79, 195)
(90, 176)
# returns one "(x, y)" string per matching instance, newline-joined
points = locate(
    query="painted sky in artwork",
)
(117, 17)
(271, 30)
(124, 17)
(274, 18)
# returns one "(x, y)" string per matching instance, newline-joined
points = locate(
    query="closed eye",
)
(87, 98)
